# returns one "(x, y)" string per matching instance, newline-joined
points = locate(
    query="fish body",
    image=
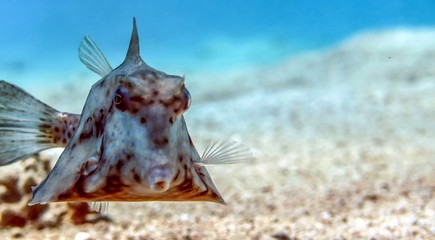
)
(130, 143)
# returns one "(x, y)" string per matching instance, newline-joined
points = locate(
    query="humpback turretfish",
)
(130, 143)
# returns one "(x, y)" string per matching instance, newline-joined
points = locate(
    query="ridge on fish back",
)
(130, 143)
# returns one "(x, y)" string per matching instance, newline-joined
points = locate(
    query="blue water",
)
(41, 37)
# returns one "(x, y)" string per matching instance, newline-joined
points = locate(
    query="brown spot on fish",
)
(113, 184)
(136, 177)
(129, 85)
(76, 190)
(176, 98)
(119, 165)
(86, 134)
(143, 120)
(136, 99)
(176, 176)
(65, 195)
(164, 103)
(99, 125)
(186, 185)
(171, 120)
(203, 193)
(161, 142)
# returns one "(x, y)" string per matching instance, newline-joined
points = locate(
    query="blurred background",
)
(39, 39)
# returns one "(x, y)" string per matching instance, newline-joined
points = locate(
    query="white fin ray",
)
(91, 55)
(21, 118)
(100, 207)
(225, 152)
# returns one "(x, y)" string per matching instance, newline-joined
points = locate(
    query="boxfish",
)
(129, 144)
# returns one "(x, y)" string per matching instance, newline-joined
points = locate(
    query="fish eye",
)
(117, 99)
(187, 99)
(120, 97)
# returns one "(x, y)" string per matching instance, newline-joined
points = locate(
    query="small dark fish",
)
(129, 144)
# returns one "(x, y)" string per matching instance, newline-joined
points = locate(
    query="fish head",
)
(132, 142)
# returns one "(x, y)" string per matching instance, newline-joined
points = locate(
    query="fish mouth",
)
(159, 178)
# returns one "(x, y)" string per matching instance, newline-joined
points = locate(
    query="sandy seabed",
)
(344, 145)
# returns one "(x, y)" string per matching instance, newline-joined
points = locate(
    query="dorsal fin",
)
(133, 54)
(91, 55)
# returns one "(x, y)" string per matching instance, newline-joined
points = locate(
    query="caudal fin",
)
(24, 121)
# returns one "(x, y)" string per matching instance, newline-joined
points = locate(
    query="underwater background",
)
(335, 99)
(40, 38)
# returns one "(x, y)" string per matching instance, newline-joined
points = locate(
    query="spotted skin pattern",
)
(129, 144)
(61, 129)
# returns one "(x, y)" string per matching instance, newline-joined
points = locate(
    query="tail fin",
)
(24, 121)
